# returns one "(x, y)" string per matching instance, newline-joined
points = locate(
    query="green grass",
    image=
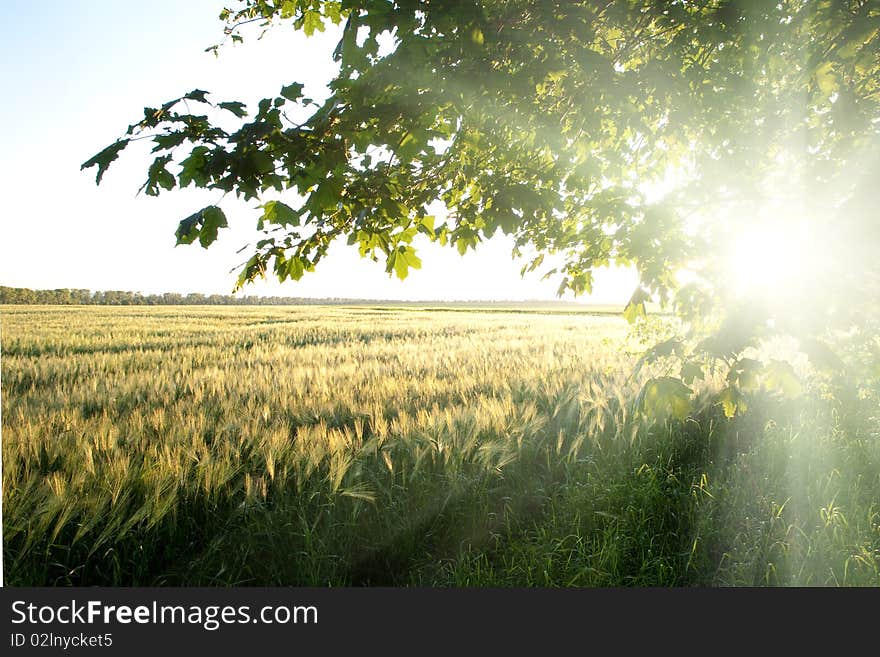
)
(379, 446)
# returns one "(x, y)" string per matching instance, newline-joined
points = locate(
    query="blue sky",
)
(77, 73)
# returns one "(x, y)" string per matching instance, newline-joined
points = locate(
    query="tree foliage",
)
(619, 132)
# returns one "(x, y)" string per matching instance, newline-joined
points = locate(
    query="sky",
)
(78, 72)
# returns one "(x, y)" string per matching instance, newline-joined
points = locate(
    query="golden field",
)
(379, 445)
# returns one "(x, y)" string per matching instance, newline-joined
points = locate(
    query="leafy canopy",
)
(643, 133)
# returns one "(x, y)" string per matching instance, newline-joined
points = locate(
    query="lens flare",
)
(770, 261)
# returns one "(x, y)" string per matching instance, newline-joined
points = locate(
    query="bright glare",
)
(770, 260)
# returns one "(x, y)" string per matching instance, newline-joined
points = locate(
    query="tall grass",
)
(340, 446)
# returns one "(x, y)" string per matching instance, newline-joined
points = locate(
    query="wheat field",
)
(329, 445)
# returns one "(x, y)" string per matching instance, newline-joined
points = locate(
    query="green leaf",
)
(295, 268)
(292, 92)
(464, 241)
(665, 396)
(428, 222)
(193, 168)
(732, 401)
(235, 107)
(412, 260)
(745, 374)
(168, 141)
(103, 159)
(214, 219)
(333, 11)
(690, 372)
(278, 213)
(636, 306)
(401, 260)
(400, 266)
(159, 176)
(197, 95)
(325, 196)
(780, 375)
(254, 267)
(203, 225)
(665, 349)
(288, 8)
(312, 22)
(188, 229)
(262, 162)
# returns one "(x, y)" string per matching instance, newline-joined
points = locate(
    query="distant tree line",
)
(79, 297)
(66, 296)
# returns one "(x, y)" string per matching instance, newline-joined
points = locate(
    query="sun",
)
(769, 259)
